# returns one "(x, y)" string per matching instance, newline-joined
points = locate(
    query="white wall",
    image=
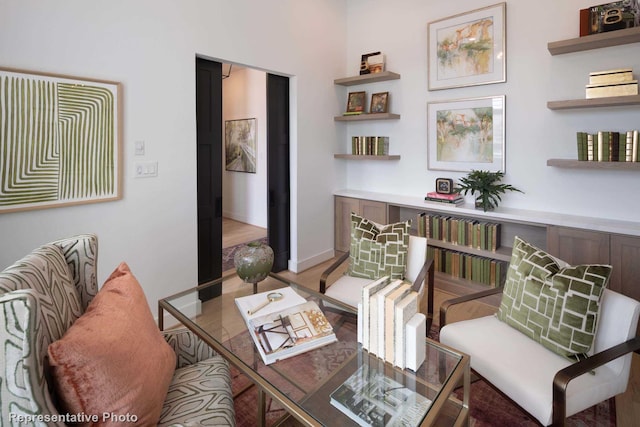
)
(533, 132)
(150, 46)
(244, 195)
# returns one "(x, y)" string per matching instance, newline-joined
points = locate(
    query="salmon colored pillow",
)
(113, 360)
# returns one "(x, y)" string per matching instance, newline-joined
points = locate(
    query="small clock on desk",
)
(444, 186)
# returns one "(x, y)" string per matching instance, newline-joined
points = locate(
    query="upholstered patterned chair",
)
(42, 296)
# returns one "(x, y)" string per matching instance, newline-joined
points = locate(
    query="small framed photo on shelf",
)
(466, 134)
(379, 102)
(356, 102)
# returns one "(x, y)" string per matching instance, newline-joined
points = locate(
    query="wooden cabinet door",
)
(578, 246)
(342, 221)
(625, 259)
(373, 211)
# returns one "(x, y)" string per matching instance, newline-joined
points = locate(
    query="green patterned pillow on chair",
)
(554, 305)
(378, 251)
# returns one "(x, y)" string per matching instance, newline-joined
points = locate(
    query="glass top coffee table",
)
(304, 385)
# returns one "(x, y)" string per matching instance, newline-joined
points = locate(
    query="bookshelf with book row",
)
(608, 146)
(370, 145)
(460, 231)
(476, 268)
(467, 235)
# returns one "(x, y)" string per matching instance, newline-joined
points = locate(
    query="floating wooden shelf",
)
(595, 41)
(366, 157)
(581, 164)
(367, 116)
(611, 101)
(367, 78)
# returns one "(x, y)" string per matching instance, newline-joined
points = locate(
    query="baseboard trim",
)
(299, 266)
(189, 309)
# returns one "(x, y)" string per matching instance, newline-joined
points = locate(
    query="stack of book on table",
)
(390, 325)
(434, 196)
(370, 398)
(619, 82)
(286, 326)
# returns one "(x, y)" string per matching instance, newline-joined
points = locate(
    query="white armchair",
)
(547, 385)
(348, 289)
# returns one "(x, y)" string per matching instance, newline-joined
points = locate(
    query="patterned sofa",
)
(35, 312)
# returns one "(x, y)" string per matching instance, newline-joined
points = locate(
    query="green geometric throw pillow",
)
(557, 307)
(378, 251)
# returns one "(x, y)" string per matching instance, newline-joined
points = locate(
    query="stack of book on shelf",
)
(370, 398)
(389, 324)
(619, 82)
(288, 325)
(434, 196)
(617, 15)
(460, 231)
(370, 145)
(608, 146)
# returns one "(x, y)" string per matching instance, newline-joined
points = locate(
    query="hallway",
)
(236, 232)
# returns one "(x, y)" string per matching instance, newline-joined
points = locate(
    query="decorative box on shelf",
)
(609, 83)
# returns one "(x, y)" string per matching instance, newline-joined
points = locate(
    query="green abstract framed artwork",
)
(468, 49)
(60, 140)
(466, 134)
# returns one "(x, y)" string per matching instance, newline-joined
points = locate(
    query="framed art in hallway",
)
(466, 134)
(468, 49)
(240, 145)
(60, 142)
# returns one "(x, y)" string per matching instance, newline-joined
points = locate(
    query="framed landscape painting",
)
(60, 140)
(466, 134)
(468, 49)
(240, 145)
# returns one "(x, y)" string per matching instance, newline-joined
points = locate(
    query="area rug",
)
(488, 408)
(229, 253)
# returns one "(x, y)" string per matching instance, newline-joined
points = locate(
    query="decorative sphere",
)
(253, 262)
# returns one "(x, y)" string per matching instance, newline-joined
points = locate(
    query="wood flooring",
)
(627, 404)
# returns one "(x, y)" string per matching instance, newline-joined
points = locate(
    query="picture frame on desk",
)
(468, 49)
(466, 134)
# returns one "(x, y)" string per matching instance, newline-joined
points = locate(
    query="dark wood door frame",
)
(209, 173)
(278, 170)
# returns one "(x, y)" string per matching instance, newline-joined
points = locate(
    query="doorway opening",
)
(256, 198)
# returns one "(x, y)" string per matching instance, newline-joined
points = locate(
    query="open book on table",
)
(286, 327)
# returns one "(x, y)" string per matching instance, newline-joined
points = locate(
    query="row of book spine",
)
(460, 231)
(471, 267)
(370, 145)
(390, 324)
(608, 146)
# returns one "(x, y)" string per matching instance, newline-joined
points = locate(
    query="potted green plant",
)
(487, 186)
